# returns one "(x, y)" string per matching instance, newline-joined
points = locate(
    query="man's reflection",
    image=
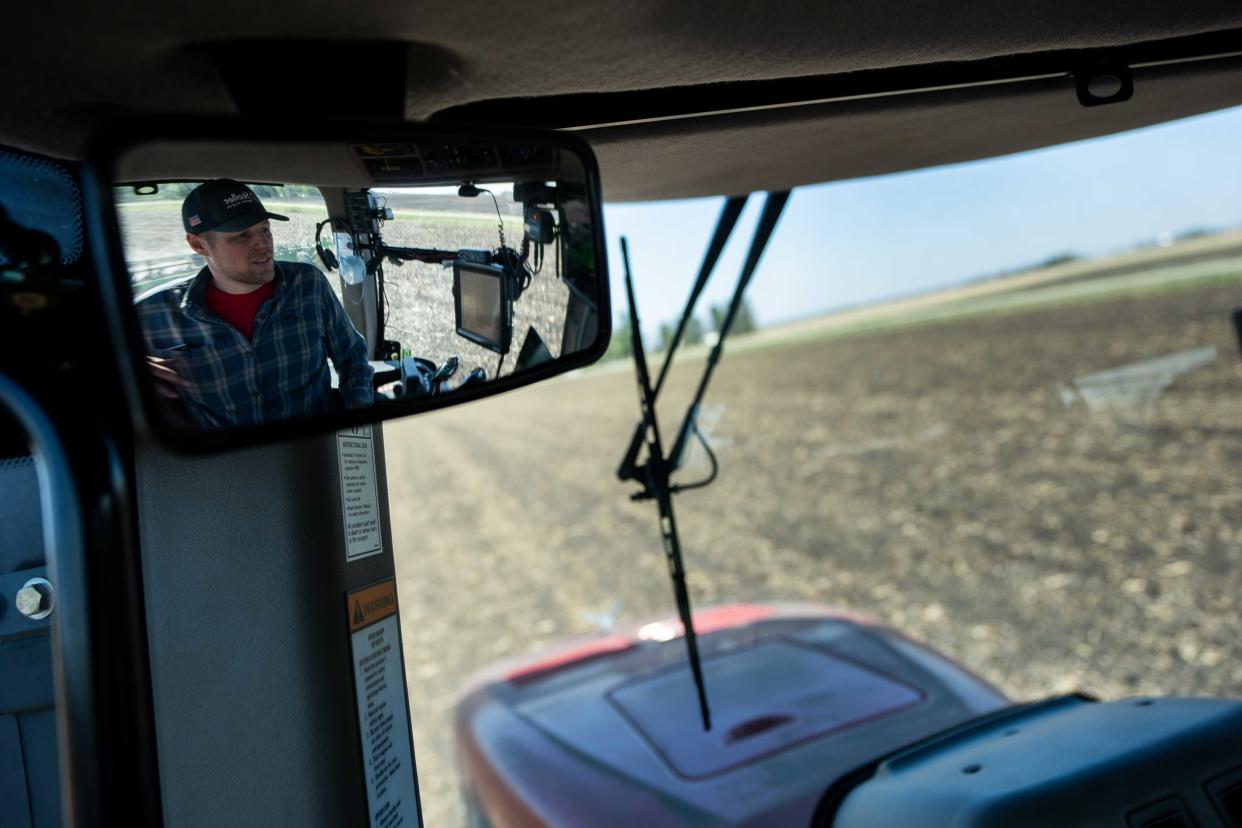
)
(248, 339)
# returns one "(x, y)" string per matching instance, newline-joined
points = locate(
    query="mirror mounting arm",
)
(417, 254)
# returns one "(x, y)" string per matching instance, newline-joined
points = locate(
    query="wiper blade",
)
(655, 472)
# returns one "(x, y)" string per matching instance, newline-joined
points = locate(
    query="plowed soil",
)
(932, 476)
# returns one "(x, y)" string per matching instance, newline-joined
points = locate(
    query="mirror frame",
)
(116, 294)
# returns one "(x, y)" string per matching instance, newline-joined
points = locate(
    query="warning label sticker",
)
(366, 606)
(355, 451)
(383, 717)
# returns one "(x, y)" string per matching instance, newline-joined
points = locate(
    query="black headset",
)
(326, 256)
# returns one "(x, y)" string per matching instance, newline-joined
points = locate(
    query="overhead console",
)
(426, 163)
(1137, 763)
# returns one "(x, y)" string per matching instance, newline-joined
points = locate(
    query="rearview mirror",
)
(286, 283)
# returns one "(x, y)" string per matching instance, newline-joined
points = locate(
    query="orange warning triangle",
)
(371, 604)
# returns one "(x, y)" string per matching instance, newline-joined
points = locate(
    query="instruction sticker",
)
(383, 718)
(355, 452)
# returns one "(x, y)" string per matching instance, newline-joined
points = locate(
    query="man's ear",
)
(197, 243)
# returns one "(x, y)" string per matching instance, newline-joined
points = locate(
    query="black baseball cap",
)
(223, 204)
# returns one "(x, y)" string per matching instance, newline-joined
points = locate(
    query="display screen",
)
(481, 310)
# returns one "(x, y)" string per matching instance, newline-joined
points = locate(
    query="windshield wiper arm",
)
(724, 228)
(655, 473)
(772, 209)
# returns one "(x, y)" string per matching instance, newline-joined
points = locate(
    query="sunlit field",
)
(1040, 486)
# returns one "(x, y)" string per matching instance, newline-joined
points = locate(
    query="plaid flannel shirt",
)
(281, 372)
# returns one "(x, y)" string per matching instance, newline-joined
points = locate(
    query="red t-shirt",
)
(238, 309)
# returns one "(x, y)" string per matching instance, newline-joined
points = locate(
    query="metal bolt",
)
(35, 599)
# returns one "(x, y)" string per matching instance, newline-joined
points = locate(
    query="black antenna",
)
(655, 478)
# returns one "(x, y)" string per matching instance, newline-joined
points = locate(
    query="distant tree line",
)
(695, 333)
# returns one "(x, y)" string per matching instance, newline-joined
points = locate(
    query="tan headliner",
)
(75, 65)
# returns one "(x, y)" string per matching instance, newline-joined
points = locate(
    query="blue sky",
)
(859, 241)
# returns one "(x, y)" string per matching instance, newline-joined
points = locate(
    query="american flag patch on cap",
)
(195, 221)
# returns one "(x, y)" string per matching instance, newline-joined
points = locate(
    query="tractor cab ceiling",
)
(678, 100)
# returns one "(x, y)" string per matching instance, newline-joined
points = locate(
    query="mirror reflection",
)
(287, 281)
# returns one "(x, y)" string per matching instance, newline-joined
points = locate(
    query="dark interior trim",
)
(376, 90)
(73, 665)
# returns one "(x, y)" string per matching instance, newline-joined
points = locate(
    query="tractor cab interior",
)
(212, 536)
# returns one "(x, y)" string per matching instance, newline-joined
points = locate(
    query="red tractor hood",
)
(607, 730)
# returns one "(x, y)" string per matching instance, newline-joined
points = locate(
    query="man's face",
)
(238, 260)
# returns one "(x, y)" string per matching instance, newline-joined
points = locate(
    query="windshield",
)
(994, 405)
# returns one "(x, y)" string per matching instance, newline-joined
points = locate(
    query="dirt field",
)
(931, 476)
